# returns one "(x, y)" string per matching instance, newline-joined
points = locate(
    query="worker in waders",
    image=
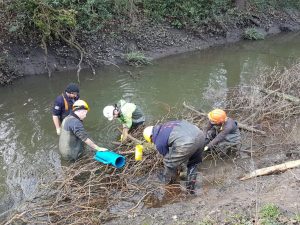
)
(129, 114)
(222, 133)
(63, 105)
(181, 144)
(73, 134)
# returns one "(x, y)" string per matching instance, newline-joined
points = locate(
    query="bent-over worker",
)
(181, 144)
(129, 114)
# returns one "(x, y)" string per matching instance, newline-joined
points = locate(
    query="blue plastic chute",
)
(112, 158)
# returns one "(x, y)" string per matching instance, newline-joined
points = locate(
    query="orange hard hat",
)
(217, 116)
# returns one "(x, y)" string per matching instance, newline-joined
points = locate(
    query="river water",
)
(29, 144)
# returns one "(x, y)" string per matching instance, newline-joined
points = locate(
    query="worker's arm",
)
(124, 133)
(57, 112)
(90, 143)
(57, 124)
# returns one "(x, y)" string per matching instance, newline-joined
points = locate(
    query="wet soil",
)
(26, 56)
(222, 198)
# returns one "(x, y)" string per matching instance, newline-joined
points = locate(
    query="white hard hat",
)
(108, 112)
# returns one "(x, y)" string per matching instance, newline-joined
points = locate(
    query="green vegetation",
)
(136, 59)
(297, 218)
(69, 20)
(50, 16)
(253, 34)
(269, 214)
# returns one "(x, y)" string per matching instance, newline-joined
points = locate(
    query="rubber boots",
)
(168, 176)
(191, 178)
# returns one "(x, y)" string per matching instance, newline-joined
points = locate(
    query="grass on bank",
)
(269, 214)
(136, 59)
(253, 34)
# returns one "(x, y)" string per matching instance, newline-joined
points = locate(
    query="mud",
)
(222, 198)
(27, 57)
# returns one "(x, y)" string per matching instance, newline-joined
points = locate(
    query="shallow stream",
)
(29, 144)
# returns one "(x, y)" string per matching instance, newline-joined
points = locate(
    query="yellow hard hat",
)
(217, 116)
(80, 104)
(148, 133)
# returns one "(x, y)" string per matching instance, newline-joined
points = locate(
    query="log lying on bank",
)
(242, 126)
(272, 169)
(287, 97)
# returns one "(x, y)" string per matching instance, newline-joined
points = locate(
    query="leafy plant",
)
(253, 34)
(136, 59)
(269, 214)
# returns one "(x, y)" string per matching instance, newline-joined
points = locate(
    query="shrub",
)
(253, 34)
(136, 59)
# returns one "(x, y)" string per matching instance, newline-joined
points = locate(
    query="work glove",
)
(58, 131)
(206, 148)
(101, 149)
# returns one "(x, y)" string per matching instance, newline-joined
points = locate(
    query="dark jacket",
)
(228, 131)
(72, 137)
(180, 142)
(63, 106)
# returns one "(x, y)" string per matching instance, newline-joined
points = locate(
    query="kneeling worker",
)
(73, 134)
(222, 133)
(181, 144)
(130, 115)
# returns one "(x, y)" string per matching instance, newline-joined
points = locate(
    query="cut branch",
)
(287, 97)
(272, 169)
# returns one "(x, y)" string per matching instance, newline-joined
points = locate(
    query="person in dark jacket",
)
(129, 114)
(181, 144)
(63, 105)
(222, 133)
(73, 134)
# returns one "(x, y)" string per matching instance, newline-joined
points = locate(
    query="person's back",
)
(181, 144)
(70, 145)
(130, 114)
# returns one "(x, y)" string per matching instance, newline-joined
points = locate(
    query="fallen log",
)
(242, 126)
(278, 94)
(272, 169)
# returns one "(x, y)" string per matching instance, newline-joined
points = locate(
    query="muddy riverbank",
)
(21, 57)
(92, 193)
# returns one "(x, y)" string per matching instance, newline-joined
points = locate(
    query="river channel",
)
(29, 144)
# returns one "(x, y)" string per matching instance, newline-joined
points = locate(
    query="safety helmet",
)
(147, 133)
(217, 116)
(80, 104)
(108, 112)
